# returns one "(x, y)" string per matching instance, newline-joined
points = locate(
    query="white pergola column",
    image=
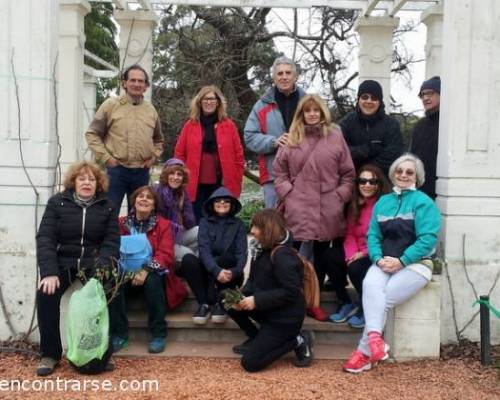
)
(70, 78)
(375, 51)
(136, 39)
(468, 167)
(432, 17)
(28, 38)
(89, 108)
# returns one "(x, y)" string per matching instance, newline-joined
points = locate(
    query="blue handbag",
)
(135, 251)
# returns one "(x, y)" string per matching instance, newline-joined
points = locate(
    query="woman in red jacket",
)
(151, 278)
(210, 145)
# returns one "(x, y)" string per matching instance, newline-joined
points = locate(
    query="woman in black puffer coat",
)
(78, 229)
(273, 298)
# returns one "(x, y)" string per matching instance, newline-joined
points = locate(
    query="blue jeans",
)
(270, 195)
(123, 181)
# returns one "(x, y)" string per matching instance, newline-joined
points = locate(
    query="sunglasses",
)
(408, 172)
(222, 201)
(364, 181)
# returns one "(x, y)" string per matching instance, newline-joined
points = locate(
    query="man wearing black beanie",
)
(373, 136)
(425, 135)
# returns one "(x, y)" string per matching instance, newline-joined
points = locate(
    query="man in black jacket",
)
(425, 135)
(373, 136)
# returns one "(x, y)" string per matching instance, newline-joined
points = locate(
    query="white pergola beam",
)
(397, 5)
(120, 4)
(370, 6)
(99, 60)
(367, 6)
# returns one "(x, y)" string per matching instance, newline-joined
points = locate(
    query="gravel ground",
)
(190, 378)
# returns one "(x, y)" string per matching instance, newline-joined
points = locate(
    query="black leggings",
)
(329, 261)
(357, 271)
(204, 285)
(269, 343)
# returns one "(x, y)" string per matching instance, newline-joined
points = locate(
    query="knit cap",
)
(174, 161)
(371, 87)
(433, 83)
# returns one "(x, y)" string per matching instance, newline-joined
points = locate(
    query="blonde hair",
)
(297, 130)
(75, 169)
(195, 107)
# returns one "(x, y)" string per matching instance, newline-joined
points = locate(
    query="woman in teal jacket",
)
(402, 236)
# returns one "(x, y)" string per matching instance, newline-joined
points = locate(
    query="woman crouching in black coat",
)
(274, 298)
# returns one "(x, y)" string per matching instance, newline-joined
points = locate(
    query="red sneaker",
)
(358, 362)
(317, 313)
(378, 348)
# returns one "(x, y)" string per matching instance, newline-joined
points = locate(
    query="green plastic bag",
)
(87, 324)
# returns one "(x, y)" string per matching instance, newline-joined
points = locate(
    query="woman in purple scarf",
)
(177, 208)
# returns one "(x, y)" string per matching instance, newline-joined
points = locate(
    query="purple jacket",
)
(315, 193)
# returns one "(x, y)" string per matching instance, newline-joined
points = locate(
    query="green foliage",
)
(249, 209)
(231, 298)
(407, 122)
(100, 39)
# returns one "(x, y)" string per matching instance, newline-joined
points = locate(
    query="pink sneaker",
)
(358, 362)
(378, 348)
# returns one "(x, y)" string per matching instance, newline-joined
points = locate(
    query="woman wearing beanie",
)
(373, 136)
(174, 205)
(210, 145)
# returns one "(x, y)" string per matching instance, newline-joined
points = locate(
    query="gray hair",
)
(419, 168)
(283, 60)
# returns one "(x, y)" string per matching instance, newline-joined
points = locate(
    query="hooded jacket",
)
(265, 124)
(72, 236)
(372, 140)
(222, 235)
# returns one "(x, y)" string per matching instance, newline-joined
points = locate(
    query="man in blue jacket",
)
(267, 125)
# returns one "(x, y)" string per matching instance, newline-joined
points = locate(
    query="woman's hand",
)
(390, 265)
(248, 304)
(49, 284)
(225, 276)
(139, 278)
(355, 256)
(282, 140)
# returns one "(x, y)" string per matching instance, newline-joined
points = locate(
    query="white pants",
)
(383, 291)
(188, 245)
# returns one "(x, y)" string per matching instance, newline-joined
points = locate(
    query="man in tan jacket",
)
(126, 137)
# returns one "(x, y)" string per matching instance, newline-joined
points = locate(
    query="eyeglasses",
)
(222, 201)
(409, 172)
(209, 99)
(364, 181)
(427, 93)
(368, 97)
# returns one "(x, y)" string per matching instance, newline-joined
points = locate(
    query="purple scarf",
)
(181, 218)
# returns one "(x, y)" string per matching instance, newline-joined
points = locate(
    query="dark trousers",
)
(329, 260)
(203, 192)
(154, 292)
(48, 313)
(205, 286)
(269, 343)
(357, 271)
(124, 181)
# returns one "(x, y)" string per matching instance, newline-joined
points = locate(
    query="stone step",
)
(139, 348)
(181, 328)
